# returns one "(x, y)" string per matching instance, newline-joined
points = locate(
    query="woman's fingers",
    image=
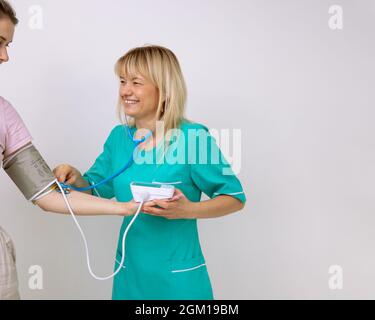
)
(61, 176)
(57, 174)
(163, 204)
(155, 211)
(65, 173)
(71, 177)
(71, 180)
(176, 198)
(177, 195)
(155, 207)
(149, 204)
(158, 207)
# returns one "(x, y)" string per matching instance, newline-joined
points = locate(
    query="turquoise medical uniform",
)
(163, 258)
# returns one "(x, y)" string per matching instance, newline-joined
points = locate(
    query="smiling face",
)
(6, 37)
(139, 97)
(152, 88)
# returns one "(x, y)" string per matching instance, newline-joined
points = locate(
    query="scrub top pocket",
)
(190, 279)
(170, 177)
(169, 174)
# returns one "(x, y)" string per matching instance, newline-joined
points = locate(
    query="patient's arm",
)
(14, 152)
(84, 204)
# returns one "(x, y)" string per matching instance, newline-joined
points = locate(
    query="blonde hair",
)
(161, 67)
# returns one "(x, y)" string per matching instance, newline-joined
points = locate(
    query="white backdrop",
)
(301, 93)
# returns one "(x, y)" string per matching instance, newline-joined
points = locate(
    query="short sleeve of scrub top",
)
(210, 171)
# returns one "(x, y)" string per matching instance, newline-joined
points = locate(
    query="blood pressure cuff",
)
(29, 172)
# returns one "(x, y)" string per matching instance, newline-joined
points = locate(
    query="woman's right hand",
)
(65, 173)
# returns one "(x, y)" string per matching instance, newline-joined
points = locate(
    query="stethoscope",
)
(136, 142)
(65, 189)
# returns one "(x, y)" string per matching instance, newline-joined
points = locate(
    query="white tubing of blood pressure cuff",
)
(85, 241)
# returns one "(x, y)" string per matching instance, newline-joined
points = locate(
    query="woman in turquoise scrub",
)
(163, 258)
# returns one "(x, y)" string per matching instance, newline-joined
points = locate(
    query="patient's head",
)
(8, 21)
